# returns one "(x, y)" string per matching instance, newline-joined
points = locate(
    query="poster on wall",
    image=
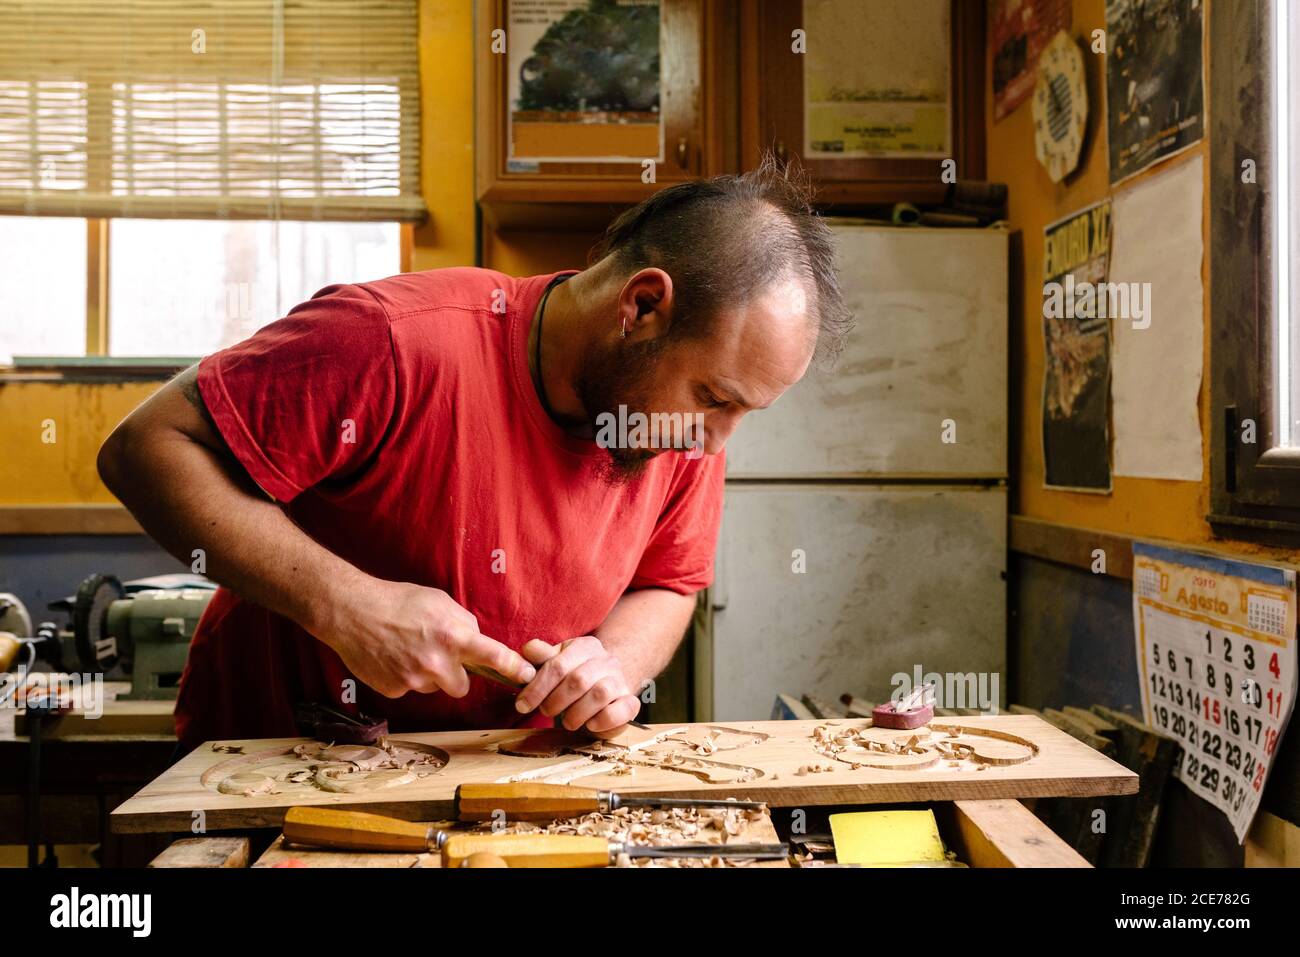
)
(1216, 652)
(1076, 347)
(1155, 90)
(1018, 32)
(583, 81)
(878, 85)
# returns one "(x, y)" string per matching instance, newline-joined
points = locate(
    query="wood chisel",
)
(530, 801)
(573, 850)
(360, 831)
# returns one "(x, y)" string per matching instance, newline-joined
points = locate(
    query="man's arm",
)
(595, 680)
(169, 466)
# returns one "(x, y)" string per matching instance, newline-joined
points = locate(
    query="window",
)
(225, 162)
(187, 288)
(1285, 135)
(176, 288)
(1255, 259)
(42, 286)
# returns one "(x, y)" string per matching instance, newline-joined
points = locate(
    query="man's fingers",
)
(593, 699)
(615, 715)
(552, 671)
(482, 650)
(538, 651)
(452, 679)
(571, 688)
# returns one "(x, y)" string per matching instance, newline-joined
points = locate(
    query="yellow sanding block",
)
(885, 838)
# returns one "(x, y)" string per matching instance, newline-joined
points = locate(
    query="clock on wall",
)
(1060, 106)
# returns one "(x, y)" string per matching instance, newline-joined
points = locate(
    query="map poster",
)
(1216, 652)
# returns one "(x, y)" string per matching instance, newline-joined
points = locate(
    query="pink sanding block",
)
(884, 716)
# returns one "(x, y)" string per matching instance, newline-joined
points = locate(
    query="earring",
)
(623, 334)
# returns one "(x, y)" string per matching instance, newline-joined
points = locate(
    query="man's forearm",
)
(186, 497)
(644, 630)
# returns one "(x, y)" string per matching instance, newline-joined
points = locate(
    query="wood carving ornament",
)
(868, 747)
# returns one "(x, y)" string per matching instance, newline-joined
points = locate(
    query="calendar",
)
(1216, 651)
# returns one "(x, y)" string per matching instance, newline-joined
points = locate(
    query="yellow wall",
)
(1148, 508)
(33, 472)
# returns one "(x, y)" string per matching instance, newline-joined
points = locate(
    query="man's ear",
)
(645, 306)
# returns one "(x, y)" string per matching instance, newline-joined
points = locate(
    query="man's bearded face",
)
(623, 374)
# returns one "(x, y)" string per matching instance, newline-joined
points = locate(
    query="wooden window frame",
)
(1255, 488)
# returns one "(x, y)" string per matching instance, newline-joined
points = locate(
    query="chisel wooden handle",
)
(528, 850)
(356, 831)
(524, 802)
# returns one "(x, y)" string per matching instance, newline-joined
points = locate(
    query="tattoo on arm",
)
(188, 384)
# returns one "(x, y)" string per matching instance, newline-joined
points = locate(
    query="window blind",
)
(250, 109)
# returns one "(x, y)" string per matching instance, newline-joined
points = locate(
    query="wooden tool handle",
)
(491, 674)
(354, 830)
(528, 850)
(523, 802)
(9, 647)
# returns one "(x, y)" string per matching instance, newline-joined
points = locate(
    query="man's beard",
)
(613, 377)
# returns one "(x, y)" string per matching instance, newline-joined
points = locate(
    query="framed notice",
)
(877, 78)
(1216, 651)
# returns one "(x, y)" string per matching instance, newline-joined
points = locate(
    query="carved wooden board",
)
(239, 784)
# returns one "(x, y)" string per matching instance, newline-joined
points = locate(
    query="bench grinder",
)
(141, 627)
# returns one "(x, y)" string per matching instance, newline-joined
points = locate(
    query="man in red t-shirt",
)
(440, 469)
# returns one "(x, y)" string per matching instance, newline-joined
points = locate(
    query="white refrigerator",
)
(864, 533)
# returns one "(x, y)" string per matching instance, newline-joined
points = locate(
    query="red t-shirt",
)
(397, 424)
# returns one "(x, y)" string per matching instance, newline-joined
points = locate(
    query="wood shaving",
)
(655, 827)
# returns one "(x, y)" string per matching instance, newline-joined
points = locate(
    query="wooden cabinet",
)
(773, 72)
(524, 179)
(729, 86)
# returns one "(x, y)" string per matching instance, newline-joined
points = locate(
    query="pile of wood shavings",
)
(654, 827)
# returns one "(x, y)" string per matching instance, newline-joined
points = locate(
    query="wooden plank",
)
(855, 707)
(1100, 726)
(1070, 545)
(787, 707)
(1078, 730)
(1006, 834)
(821, 708)
(204, 852)
(280, 854)
(67, 520)
(1131, 823)
(118, 717)
(776, 762)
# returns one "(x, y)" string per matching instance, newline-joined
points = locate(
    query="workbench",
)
(88, 768)
(983, 834)
(970, 771)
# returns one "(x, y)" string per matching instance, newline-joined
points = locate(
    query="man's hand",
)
(583, 680)
(421, 642)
